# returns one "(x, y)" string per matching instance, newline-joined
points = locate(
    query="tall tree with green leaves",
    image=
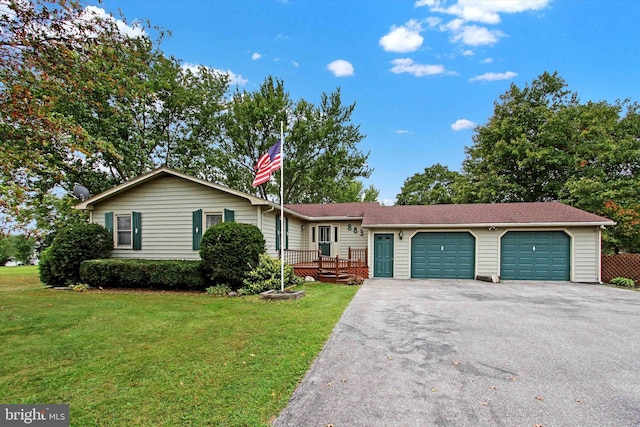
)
(83, 102)
(56, 59)
(435, 186)
(251, 126)
(524, 151)
(321, 155)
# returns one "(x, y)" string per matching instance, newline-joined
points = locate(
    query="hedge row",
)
(144, 274)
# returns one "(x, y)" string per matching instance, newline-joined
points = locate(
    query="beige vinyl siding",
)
(487, 251)
(269, 231)
(295, 233)
(402, 255)
(585, 257)
(166, 205)
(350, 239)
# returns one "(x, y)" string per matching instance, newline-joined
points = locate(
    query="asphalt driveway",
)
(467, 353)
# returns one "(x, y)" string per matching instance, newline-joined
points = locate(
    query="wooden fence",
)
(621, 265)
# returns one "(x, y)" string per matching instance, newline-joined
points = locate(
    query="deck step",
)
(331, 277)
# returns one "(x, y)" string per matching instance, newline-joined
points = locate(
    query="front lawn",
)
(158, 359)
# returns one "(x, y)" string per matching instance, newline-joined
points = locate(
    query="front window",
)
(123, 230)
(212, 219)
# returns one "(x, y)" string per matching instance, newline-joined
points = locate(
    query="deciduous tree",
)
(432, 187)
(321, 156)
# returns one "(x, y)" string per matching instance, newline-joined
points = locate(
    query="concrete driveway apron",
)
(467, 353)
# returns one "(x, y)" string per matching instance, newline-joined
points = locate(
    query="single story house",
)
(162, 215)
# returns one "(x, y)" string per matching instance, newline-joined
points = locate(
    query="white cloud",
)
(473, 35)
(295, 64)
(454, 25)
(420, 3)
(406, 65)
(134, 30)
(490, 77)
(340, 68)
(467, 52)
(462, 124)
(403, 131)
(234, 79)
(487, 61)
(484, 11)
(256, 56)
(402, 39)
(433, 21)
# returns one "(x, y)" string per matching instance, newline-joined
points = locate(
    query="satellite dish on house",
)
(81, 192)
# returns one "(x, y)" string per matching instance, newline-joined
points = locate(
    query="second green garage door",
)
(443, 255)
(535, 255)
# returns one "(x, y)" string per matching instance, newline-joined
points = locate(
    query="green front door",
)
(535, 255)
(383, 255)
(443, 255)
(324, 239)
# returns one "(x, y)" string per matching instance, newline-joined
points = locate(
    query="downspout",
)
(600, 254)
(271, 209)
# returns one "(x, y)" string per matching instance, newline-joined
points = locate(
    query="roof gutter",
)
(332, 218)
(494, 224)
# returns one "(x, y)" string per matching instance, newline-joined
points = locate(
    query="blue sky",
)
(421, 73)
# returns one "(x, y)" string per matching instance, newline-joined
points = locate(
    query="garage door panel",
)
(443, 255)
(535, 255)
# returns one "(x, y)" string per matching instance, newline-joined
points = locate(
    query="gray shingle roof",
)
(482, 214)
(355, 210)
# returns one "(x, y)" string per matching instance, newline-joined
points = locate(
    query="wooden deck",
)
(328, 269)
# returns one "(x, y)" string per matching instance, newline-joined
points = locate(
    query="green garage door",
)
(443, 255)
(535, 255)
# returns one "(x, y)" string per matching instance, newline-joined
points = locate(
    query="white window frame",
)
(206, 214)
(117, 231)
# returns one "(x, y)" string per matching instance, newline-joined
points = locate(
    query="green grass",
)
(159, 359)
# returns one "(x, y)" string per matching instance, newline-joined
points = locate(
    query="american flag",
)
(267, 163)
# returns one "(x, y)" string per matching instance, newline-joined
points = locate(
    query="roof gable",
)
(163, 172)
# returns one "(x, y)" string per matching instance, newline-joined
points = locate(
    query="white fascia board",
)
(333, 218)
(501, 225)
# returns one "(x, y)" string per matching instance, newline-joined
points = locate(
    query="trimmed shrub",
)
(44, 267)
(177, 275)
(229, 250)
(267, 276)
(623, 282)
(69, 248)
(218, 290)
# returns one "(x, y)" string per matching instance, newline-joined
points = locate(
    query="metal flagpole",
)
(282, 230)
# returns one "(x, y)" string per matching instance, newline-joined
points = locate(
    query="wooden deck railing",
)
(312, 262)
(301, 257)
(359, 254)
(338, 266)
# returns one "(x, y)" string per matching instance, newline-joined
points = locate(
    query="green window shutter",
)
(136, 230)
(108, 222)
(196, 228)
(286, 233)
(277, 232)
(229, 215)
